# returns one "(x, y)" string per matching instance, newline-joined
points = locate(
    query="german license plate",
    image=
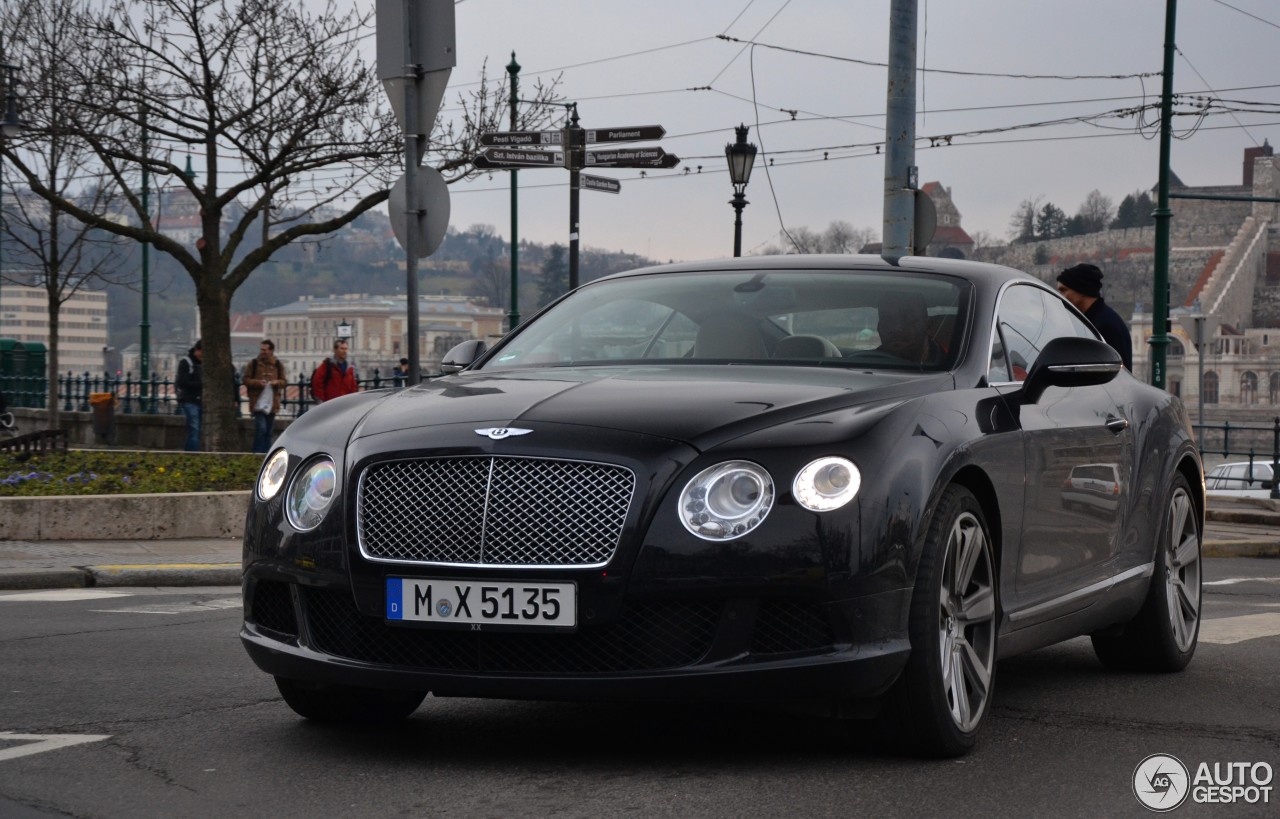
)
(467, 602)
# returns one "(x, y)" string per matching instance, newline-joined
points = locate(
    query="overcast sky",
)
(660, 62)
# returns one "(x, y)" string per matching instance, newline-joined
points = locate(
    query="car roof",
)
(979, 272)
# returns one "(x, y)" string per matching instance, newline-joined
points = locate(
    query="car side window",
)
(1028, 319)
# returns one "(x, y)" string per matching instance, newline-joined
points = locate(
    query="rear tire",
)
(348, 704)
(1162, 637)
(938, 704)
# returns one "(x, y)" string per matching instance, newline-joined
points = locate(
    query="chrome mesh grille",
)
(493, 511)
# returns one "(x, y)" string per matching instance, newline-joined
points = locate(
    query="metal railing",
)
(1251, 453)
(158, 396)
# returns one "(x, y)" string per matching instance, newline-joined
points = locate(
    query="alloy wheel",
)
(967, 622)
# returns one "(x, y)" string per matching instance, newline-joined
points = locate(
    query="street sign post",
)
(519, 158)
(600, 183)
(631, 158)
(632, 133)
(510, 150)
(510, 139)
(416, 51)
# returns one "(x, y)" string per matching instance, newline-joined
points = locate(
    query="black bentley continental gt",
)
(829, 481)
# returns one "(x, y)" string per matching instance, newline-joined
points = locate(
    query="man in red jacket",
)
(335, 376)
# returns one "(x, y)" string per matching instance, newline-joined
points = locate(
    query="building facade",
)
(82, 325)
(304, 331)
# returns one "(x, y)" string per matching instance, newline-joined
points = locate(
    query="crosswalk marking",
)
(1227, 630)
(190, 607)
(39, 743)
(60, 596)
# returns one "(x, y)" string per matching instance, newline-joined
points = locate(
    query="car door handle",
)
(1117, 425)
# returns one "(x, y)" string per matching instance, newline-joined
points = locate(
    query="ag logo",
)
(1161, 782)
(498, 433)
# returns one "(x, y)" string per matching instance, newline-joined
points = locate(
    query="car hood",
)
(693, 404)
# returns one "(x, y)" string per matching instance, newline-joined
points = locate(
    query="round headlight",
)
(311, 493)
(271, 478)
(727, 500)
(826, 484)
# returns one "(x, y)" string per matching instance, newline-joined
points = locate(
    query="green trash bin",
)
(103, 405)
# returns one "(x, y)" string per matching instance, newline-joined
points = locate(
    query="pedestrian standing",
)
(265, 382)
(1082, 286)
(401, 373)
(189, 384)
(335, 376)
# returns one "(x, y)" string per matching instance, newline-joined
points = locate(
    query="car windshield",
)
(793, 317)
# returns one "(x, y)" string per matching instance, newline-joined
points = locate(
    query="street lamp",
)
(742, 157)
(10, 127)
(344, 331)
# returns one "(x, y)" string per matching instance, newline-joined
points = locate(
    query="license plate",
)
(465, 602)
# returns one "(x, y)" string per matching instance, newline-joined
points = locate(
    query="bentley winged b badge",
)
(498, 433)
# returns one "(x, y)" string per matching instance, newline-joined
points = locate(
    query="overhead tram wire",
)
(956, 72)
(1247, 14)
(767, 23)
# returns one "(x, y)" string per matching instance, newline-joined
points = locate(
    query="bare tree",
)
(842, 237)
(48, 248)
(1097, 212)
(286, 121)
(1022, 225)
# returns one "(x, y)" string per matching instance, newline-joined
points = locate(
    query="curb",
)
(1240, 548)
(145, 574)
(164, 574)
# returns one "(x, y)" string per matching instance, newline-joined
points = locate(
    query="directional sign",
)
(518, 158)
(511, 138)
(633, 133)
(632, 158)
(600, 183)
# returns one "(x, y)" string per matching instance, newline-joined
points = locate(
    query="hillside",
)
(364, 258)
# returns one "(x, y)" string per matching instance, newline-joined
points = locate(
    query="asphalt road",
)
(170, 719)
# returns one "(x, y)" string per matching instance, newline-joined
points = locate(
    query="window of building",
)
(1210, 387)
(1248, 388)
(1275, 388)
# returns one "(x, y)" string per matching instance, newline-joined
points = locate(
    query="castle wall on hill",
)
(1199, 230)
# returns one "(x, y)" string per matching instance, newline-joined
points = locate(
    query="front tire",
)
(348, 704)
(937, 706)
(1162, 637)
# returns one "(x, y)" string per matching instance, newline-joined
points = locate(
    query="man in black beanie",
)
(1082, 286)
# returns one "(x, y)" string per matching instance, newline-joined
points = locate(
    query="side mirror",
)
(462, 356)
(1071, 362)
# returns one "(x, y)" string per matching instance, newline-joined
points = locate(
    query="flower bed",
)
(103, 472)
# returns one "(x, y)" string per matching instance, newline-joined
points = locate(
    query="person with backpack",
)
(264, 378)
(335, 376)
(189, 384)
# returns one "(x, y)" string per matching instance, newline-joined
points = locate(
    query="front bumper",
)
(689, 648)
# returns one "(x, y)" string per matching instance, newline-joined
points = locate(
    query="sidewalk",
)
(64, 564)
(61, 564)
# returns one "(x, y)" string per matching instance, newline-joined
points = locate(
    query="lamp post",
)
(742, 157)
(10, 127)
(344, 331)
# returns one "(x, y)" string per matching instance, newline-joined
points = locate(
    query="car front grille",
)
(648, 636)
(493, 511)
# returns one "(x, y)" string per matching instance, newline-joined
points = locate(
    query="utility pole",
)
(1160, 298)
(144, 326)
(900, 170)
(513, 317)
(575, 151)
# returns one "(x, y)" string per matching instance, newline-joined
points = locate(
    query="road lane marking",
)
(1227, 630)
(1231, 581)
(191, 607)
(61, 595)
(39, 743)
